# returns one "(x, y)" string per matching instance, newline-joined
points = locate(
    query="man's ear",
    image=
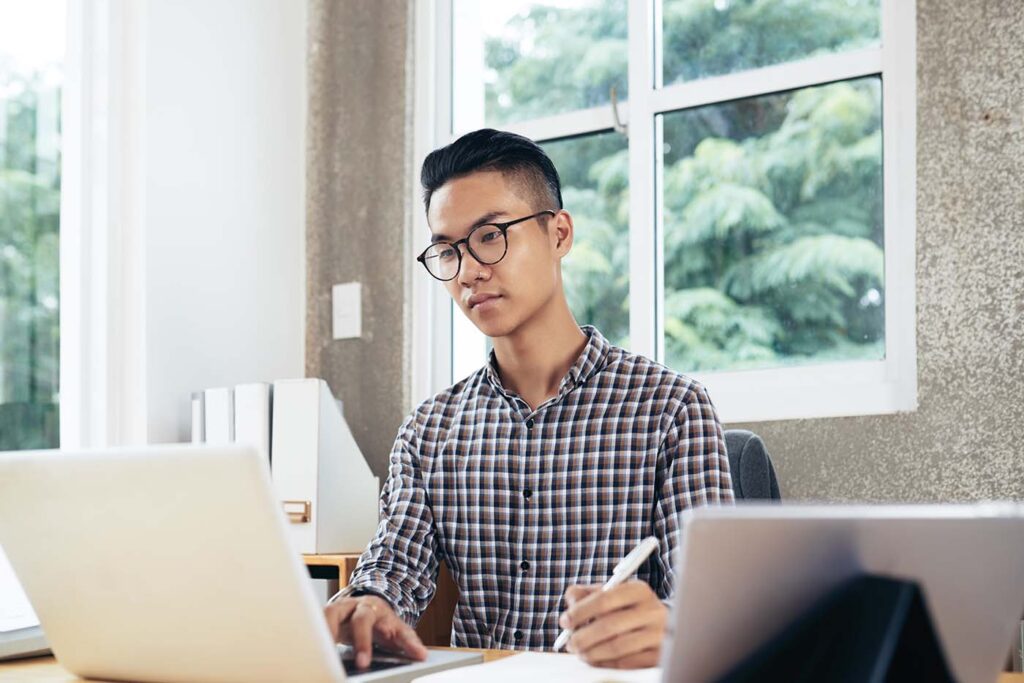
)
(562, 231)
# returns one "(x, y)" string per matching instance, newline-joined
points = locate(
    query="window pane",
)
(595, 189)
(520, 59)
(714, 37)
(773, 229)
(32, 40)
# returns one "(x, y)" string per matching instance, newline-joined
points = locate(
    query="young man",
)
(535, 475)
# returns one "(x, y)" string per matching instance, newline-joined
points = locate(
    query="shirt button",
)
(529, 423)
(527, 493)
(518, 635)
(524, 565)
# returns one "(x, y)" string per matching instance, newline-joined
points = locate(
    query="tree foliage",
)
(551, 59)
(29, 262)
(713, 37)
(772, 222)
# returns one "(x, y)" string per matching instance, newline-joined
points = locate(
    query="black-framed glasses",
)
(487, 243)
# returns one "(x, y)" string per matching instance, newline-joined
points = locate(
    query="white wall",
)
(224, 192)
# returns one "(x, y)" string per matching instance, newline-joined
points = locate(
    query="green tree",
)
(772, 205)
(713, 37)
(595, 178)
(554, 59)
(29, 262)
(785, 224)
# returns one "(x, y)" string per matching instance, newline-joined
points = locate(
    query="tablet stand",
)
(870, 629)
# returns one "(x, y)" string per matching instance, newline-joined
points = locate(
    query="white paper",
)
(15, 610)
(542, 666)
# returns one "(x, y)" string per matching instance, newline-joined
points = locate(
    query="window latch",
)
(617, 123)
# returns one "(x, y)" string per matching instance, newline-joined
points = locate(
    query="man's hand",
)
(620, 628)
(362, 620)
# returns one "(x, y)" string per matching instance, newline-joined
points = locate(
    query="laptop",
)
(170, 563)
(747, 572)
(20, 634)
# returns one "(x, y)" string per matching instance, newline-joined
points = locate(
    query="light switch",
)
(347, 310)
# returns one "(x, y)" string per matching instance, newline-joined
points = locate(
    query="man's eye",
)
(446, 254)
(490, 235)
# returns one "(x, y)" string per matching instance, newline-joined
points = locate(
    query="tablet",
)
(746, 572)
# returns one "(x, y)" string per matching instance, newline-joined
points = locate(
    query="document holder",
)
(870, 629)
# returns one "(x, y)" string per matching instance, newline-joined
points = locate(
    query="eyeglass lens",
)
(487, 244)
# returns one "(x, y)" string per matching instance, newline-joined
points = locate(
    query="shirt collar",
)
(589, 362)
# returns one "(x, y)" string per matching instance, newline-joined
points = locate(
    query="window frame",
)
(102, 322)
(439, 346)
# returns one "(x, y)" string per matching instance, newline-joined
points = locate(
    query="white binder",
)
(198, 404)
(219, 416)
(252, 416)
(318, 471)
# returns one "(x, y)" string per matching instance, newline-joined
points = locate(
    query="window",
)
(772, 214)
(594, 170)
(741, 173)
(31, 79)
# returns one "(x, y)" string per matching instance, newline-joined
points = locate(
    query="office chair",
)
(753, 476)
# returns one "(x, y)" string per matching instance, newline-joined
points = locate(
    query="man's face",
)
(499, 298)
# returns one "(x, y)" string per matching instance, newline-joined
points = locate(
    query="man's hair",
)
(519, 159)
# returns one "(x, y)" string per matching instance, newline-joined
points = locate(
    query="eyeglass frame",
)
(503, 227)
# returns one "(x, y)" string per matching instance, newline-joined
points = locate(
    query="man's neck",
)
(533, 360)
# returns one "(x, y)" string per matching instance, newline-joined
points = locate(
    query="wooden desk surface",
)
(47, 670)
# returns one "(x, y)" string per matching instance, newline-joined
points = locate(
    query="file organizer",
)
(325, 486)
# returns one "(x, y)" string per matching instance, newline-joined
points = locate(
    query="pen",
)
(623, 570)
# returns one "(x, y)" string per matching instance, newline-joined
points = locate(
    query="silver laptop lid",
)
(162, 563)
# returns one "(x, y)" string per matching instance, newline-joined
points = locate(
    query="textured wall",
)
(966, 440)
(357, 190)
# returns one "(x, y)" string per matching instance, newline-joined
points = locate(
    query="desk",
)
(47, 670)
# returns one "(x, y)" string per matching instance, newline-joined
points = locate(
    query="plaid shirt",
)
(522, 503)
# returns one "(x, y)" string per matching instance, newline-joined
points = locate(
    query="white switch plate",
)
(347, 310)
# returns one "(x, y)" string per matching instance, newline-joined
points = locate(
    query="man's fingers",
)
(361, 628)
(361, 620)
(621, 648)
(405, 639)
(574, 594)
(601, 602)
(637, 660)
(622, 627)
(337, 614)
(608, 627)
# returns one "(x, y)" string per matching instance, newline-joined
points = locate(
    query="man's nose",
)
(471, 269)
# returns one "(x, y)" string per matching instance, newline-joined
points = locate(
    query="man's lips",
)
(478, 299)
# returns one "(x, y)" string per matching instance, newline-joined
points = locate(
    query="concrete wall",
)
(224, 126)
(358, 154)
(965, 440)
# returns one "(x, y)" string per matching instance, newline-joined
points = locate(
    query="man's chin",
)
(495, 328)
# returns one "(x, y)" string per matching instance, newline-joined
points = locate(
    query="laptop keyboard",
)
(382, 659)
(352, 670)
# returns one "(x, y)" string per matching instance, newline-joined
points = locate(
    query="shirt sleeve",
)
(692, 470)
(400, 564)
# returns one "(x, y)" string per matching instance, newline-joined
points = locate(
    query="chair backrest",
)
(753, 476)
